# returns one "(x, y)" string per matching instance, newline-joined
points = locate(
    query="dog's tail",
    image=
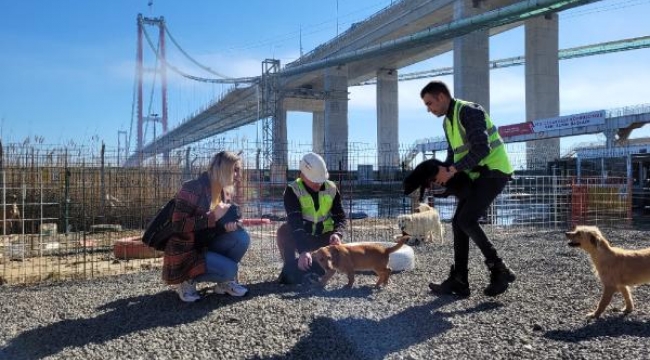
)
(399, 244)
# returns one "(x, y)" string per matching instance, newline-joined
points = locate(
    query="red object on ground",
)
(253, 222)
(134, 248)
(88, 243)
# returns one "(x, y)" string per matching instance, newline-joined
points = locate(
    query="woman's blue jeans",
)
(223, 255)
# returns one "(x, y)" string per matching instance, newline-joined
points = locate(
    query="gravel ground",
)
(137, 317)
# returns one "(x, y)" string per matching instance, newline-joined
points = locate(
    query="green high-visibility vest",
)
(308, 209)
(497, 159)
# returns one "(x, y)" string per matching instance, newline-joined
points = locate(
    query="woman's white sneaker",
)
(231, 288)
(187, 291)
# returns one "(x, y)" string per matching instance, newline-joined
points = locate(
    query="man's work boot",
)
(456, 284)
(500, 278)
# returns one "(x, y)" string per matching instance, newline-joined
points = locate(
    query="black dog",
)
(425, 173)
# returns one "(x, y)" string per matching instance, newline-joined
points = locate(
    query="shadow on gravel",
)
(317, 291)
(482, 307)
(119, 318)
(254, 290)
(358, 338)
(614, 326)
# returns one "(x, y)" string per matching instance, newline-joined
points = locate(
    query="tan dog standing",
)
(350, 258)
(617, 268)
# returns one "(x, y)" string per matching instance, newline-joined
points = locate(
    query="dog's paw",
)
(627, 311)
(592, 315)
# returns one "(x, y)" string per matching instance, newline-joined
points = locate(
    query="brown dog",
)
(617, 268)
(350, 258)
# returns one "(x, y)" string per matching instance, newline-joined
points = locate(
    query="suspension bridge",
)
(369, 52)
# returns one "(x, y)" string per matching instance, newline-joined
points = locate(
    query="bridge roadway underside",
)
(402, 19)
(240, 106)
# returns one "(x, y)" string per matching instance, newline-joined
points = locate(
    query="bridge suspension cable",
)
(192, 59)
(244, 80)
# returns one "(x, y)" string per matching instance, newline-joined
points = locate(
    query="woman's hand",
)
(218, 212)
(304, 261)
(232, 226)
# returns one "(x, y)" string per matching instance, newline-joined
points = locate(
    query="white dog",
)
(422, 226)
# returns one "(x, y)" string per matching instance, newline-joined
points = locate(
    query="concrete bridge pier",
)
(336, 118)
(387, 123)
(610, 137)
(279, 158)
(318, 132)
(542, 85)
(472, 57)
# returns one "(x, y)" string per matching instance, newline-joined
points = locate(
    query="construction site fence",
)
(69, 213)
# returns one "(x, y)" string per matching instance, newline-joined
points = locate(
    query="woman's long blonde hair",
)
(220, 171)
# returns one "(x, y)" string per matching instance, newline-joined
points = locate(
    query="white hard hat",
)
(313, 167)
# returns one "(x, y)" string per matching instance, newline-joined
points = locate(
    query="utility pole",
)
(337, 17)
(300, 35)
(122, 134)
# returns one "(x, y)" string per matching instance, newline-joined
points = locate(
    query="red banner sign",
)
(516, 129)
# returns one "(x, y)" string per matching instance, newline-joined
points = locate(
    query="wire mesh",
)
(75, 212)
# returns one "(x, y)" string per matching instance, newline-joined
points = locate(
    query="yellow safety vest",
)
(497, 159)
(308, 209)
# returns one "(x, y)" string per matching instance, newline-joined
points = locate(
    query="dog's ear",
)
(594, 239)
(421, 196)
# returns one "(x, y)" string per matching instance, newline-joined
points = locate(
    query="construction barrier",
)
(594, 200)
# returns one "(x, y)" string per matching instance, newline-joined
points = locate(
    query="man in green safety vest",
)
(475, 147)
(315, 218)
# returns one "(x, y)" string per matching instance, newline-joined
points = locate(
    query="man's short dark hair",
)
(434, 88)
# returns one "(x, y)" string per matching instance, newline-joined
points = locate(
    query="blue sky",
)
(67, 67)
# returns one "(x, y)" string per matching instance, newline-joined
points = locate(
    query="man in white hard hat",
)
(315, 218)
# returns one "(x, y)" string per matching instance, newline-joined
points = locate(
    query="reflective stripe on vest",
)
(308, 209)
(497, 159)
(491, 144)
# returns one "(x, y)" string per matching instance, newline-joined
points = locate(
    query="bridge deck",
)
(240, 106)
